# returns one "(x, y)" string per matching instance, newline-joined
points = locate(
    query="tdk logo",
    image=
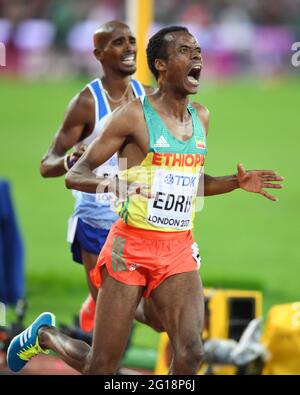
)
(181, 181)
(169, 179)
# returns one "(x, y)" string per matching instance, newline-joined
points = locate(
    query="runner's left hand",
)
(256, 180)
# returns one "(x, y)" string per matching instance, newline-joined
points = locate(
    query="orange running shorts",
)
(142, 257)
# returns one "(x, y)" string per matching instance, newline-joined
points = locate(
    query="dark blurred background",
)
(54, 37)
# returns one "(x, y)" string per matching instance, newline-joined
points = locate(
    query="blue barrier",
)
(11, 250)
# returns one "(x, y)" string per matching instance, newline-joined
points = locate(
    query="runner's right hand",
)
(74, 156)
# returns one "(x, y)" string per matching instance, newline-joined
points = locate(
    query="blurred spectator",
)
(236, 36)
(80, 44)
(80, 37)
(197, 14)
(168, 11)
(34, 38)
(5, 30)
(271, 49)
(106, 10)
(34, 35)
(63, 16)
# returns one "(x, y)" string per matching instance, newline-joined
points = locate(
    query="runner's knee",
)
(189, 352)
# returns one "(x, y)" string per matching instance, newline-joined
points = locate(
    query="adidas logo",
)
(161, 142)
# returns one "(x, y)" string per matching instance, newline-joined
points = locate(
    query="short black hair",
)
(156, 48)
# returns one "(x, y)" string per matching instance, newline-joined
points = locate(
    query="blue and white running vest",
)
(98, 213)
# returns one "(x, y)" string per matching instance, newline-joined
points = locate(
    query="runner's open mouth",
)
(128, 59)
(194, 75)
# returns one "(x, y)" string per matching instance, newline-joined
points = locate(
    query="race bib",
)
(109, 168)
(173, 197)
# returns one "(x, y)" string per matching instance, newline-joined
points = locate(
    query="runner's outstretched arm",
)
(249, 180)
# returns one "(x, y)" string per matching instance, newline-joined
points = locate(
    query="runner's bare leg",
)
(115, 311)
(180, 304)
(89, 261)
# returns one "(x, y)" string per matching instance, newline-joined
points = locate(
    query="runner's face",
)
(119, 52)
(184, 64)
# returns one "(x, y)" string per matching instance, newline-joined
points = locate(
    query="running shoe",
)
(87, 314)
(25, 346)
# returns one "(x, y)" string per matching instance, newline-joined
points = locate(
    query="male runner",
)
(150, 250)
(115, 49)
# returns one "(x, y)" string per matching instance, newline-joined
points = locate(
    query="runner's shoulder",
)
(203, 114)
(202, 110)
(84, 99)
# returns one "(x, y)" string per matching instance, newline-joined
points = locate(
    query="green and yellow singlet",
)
(172, 169)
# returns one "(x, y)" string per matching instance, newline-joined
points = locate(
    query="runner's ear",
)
(160, 65)
(98, 54)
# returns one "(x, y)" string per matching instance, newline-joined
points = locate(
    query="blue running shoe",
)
(25, 346)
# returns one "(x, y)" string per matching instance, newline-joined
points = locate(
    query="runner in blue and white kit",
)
(115, 49)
